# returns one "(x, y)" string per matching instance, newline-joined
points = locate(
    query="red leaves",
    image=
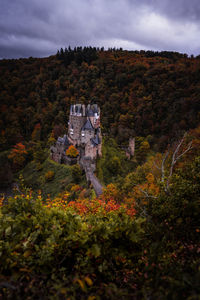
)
(87, 206)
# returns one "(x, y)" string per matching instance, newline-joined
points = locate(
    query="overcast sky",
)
(40, 27)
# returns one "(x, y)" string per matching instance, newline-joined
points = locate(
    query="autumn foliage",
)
(140, 238)
(93, 248)
(18, 155)
(150, 94)
(72, 152)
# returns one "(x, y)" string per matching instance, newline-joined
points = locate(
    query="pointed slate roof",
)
(88, 125)
(95, 108)
(66, 141)
(90, 113)
(96, 140)
(60, 140)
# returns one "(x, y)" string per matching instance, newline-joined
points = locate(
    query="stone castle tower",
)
(83, 132)
(84, 129)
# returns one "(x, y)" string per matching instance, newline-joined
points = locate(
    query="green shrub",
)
(55, 252)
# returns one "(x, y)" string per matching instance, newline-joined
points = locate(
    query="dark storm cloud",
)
(39, 28)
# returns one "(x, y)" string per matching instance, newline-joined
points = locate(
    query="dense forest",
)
(140, 94)
(141, 238)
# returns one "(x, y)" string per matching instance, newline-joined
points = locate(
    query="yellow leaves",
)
(83, 283)
(25, 270)
(144, 146)
(63, 290)
(88, 280)
(91, 297)
(75, 188)
(49, 176)
(27, 253)
(150, 178)
(60, 201)
(110, 192)
(147, 190)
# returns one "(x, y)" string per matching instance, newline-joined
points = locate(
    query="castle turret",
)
(77, 119)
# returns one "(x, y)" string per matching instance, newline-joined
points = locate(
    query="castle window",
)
(71, 131)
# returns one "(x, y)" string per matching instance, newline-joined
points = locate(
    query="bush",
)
(49, 176)
(72, 152)
(57, 252)
(76, 173)
(96, 248)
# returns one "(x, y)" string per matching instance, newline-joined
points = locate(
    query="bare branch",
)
(157, 167)
(163, 167)
(188, 148)
(145, 193)
(176, 157)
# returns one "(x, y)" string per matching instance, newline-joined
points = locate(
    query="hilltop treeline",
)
(141, 93)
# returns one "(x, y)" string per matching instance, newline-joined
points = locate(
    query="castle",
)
(84, 133)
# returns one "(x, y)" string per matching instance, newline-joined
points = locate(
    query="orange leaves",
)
(36, 132)
(149, 189)
(72, 151)
(110, 192)
(19, 149)
(89, 207)
(17, 155)
(2, 197)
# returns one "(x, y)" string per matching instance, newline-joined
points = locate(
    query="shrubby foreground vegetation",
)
(142, 246)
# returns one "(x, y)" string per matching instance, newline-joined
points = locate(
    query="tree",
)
(36, 132)
(18, 155)
(39, 154)
(76, 173)
(72, 152)
(180, 149)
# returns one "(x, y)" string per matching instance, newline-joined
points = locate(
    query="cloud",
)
(39, 28)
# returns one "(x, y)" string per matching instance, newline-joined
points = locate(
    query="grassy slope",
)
(62, 177)
(113, 163)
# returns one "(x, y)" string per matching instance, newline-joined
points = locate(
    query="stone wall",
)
(57, 153)
(90, 151)
(95, 121)
(76, 123)
(88, 134)
(99, 149)
(131, 146)
(70, 160)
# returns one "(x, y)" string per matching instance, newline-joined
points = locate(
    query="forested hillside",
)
(140, 94)
(141, 238)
